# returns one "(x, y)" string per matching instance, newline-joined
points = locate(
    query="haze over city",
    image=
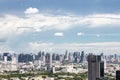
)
(31, 26)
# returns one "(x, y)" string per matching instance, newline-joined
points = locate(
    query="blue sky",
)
(56, 25)
(77, 6)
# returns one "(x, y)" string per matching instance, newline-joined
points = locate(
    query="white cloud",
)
(13, 25)
(31, 10)
(106, 47)
(58, 34)
(80, 34)
(98, 35)
(101, 20)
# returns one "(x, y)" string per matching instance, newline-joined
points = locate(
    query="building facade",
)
(95, 67)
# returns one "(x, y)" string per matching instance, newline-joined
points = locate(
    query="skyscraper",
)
(48, 61)
(118, 75)
(95, 67)
(102, 69)
(82, 57)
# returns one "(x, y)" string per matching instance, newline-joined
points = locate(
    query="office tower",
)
(40, 64)
(39, 54)
(61, 58)
(57, 57)
(118, 75)
(70, 58)
(95, 67)
(14, 63)
(75, 56)
(54, 56)
(66, 55)
(53, 69)
(51, 60)
(8, 56)
(48, 61)
(5, 58)
(43, 59)
(102, 69)
(14, 60)
(105, 64)
(103, 58)
(82, 57)
(42, 56)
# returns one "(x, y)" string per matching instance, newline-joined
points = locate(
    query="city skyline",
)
(55, 26)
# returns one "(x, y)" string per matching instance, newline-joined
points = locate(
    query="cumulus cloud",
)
(58, 34)
(98, 35)
(31, 10)
(106, 47)
(80, 33)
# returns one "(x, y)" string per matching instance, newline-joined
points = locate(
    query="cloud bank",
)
(12, 24)
(36, 21)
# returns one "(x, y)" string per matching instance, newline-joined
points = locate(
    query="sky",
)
(29, 26)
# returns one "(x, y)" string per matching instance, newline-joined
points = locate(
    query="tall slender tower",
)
(14, 63)
(95, 67)
(51, 60)
(48, 61)
(118, 75)
(102, 69)
(82, 57)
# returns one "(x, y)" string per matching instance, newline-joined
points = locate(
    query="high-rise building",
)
(95, 67)
(105, 64)
(48, 61)
(5, 58)
(82, 57)
(66, 55)
(118, 75)
(53, 69)
(102, 69)
(14, 65)
(61, 57)
(51, 60)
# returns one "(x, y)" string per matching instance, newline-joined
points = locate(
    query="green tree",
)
(68, 78)
(44, 76)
